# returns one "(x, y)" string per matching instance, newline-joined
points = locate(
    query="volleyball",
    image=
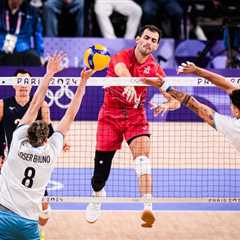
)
(97, 57)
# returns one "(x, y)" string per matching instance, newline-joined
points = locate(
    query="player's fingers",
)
(164, 111)
(180, 69)
(184, 65)
(153, 105)
(156, 111)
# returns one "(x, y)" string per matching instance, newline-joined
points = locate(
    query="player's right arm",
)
(121, 70)
(214, 78)
(53, 66)
(73, 108)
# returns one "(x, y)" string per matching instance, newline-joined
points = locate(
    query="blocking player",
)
(229, 126)
(31, 159)
(122, 116)
(12, 110)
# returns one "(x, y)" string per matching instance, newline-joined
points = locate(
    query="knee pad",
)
(102, 167)
(97, 184)
(143, 165)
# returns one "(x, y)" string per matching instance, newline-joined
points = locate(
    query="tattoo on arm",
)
(203, 111)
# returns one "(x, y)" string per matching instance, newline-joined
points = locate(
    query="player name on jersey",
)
(34, 158)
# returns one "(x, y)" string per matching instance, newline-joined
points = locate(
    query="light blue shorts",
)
(15, 227)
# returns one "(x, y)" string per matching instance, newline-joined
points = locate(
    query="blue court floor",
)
(167, 183)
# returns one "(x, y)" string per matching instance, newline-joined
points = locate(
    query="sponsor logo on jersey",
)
(11, 108)
(146, 70)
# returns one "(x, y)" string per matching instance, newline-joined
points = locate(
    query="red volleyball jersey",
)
(113, 95)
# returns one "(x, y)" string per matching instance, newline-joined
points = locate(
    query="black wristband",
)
(186, 99)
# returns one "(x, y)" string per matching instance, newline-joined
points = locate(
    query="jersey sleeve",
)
(160, 71)
(56, 142)
(122, 57)
(20, 133)
(228, 126)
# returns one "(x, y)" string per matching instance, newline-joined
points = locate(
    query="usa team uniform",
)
(119, 118)
(23, 180)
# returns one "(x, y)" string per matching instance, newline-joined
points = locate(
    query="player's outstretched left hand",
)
(55, 63)
(187, 67)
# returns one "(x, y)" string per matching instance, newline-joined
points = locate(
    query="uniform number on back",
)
(28, 177)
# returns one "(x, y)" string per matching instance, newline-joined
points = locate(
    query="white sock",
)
(147, 204)
(100, 193)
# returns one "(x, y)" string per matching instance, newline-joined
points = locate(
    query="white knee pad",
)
(143, 165)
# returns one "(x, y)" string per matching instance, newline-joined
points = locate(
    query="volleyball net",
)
(191, 162)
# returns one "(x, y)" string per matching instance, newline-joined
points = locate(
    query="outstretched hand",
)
(54, 64)
(159, 109)
(187, 67)
(171, 105)
(85, 75)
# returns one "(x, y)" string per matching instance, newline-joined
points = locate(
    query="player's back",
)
(12, 113)
(26, 173)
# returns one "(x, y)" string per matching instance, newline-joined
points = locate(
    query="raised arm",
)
(121, 70)
(214, 78)
(53, 66)
(73, 108)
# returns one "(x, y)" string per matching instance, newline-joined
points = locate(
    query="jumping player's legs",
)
(140, 148)
(109, 139)
(102, 167)
(137, 135)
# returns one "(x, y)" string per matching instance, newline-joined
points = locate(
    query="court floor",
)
(174, 225)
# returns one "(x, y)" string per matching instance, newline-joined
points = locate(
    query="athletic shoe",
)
(93, 210)
(148, 218)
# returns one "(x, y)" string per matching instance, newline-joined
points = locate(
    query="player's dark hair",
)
(22, 71)
(235, 98)
(38, 133)
(151, 28)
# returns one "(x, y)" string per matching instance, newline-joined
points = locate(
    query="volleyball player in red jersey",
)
(122, 116)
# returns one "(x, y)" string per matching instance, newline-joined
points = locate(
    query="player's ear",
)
(137, 38)
(156, 47)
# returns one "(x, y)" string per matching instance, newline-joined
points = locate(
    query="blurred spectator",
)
(230, 10)
(170, 10)
(54, 8)
(19, 23)
(36, 3)
(128, 8)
